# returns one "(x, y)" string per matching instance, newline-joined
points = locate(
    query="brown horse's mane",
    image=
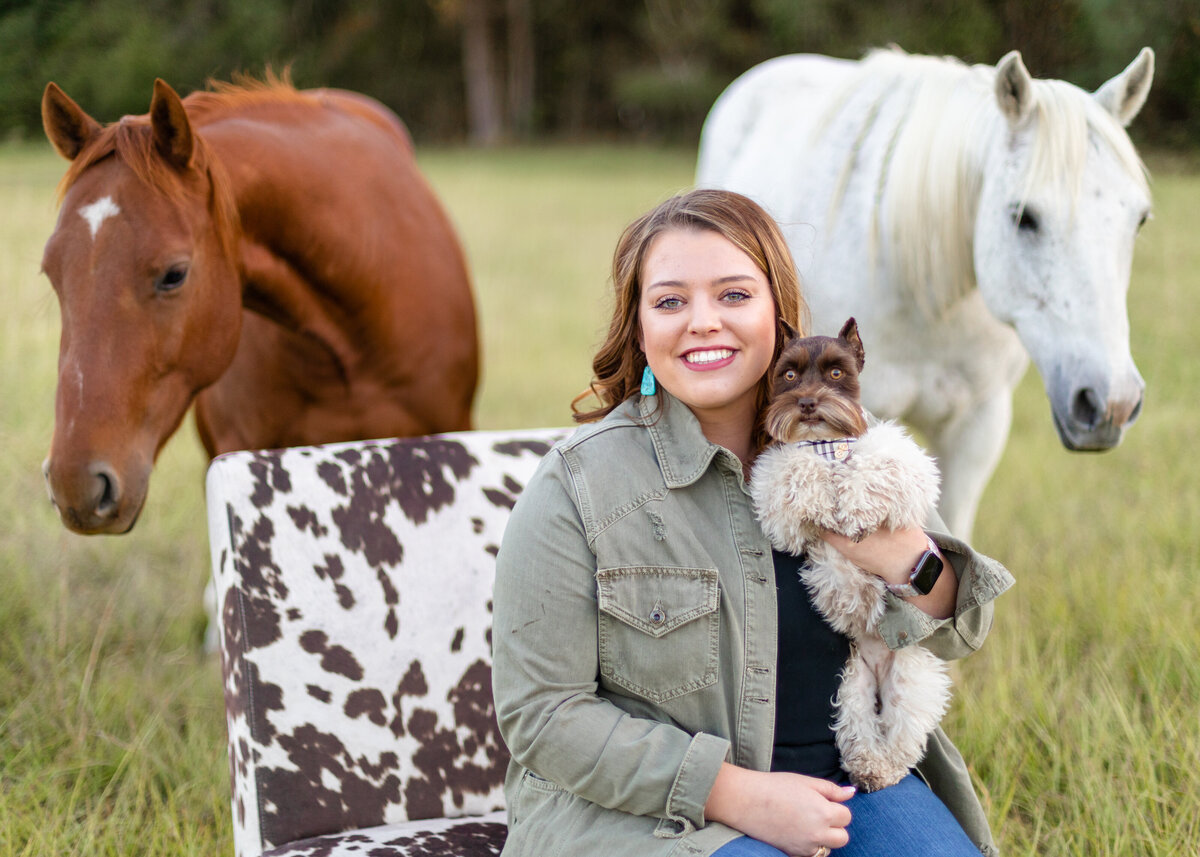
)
(223, 97)
(131, 141)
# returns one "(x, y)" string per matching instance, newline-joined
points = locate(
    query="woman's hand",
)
(892, 555)
(797, 814)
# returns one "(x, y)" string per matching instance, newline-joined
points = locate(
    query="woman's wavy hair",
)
(620, 361)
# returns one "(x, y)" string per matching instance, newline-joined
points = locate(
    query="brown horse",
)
(273, 255)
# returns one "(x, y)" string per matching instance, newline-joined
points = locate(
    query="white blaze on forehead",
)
(97, 212)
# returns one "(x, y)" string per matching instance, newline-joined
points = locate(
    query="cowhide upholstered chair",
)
(354, 590)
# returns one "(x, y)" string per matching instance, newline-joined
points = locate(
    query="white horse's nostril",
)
(1086, 408)
(1137, 410)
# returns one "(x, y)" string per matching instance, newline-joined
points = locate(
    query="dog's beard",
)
(834, 418)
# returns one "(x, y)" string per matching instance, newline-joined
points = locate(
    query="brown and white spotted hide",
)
(443, 837)
(354, 583)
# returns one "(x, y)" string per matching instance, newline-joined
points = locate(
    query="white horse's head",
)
(1062, 197)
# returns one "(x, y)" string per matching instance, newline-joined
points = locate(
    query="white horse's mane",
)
(928, 189)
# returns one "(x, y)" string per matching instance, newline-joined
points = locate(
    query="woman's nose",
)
(705, 317)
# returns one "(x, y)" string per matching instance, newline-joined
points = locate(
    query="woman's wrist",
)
(724, 801)
(892, 555)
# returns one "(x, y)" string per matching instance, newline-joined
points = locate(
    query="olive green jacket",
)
(635, 642)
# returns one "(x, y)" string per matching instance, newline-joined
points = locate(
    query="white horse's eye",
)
(1142, 221)
(1025, 220)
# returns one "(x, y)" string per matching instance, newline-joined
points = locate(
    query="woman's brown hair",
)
(619, 362)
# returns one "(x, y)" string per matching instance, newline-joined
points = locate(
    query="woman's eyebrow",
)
(720, 281)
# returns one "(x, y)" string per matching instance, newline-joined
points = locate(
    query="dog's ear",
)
(788, 331)
(850, 335)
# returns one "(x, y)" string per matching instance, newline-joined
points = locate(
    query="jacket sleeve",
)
(980, 580)
(546, 666)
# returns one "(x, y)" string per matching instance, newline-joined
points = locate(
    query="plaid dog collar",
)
(830, 450)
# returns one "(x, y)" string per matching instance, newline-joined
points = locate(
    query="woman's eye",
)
(836, 373)
(736, 296)
(790, 375)
(669, 303)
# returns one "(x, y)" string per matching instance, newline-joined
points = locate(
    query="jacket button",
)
(658, 615)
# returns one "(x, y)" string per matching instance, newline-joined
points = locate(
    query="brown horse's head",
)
(141, 261)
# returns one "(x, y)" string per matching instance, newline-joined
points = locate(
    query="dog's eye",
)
(789, 375)
(835, 373)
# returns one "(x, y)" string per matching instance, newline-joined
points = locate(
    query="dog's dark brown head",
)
(814, 388)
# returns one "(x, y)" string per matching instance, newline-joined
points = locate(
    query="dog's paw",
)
(878, 776)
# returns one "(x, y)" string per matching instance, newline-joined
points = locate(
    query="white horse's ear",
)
(1014, 88)
(1124, 95)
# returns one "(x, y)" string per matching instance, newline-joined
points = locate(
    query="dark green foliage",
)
(648, 69)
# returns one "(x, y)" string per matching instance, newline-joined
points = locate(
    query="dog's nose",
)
(806, 405)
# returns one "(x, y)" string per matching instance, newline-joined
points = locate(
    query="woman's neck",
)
(735, 432)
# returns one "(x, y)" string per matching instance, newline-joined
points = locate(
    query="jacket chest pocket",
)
(659, 629)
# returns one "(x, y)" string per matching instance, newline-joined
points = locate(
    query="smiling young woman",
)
(661, 678)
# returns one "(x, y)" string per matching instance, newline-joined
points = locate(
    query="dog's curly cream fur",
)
(888, 701)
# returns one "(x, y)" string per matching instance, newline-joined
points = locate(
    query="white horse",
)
(968, 217)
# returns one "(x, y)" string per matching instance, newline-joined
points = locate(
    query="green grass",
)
(1079, 717)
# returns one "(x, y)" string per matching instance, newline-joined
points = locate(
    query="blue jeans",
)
(904, 820)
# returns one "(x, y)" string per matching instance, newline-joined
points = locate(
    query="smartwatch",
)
(923, 576)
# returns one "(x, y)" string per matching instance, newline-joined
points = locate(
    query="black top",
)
(810, 661)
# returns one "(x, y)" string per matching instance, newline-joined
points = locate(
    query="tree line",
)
(490, 71)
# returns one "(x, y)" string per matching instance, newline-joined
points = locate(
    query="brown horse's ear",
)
(67, 126)
(172, 130)
(850, 334)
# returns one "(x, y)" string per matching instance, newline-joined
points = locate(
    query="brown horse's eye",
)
(173, 278)
(789, 375)
(835, 373)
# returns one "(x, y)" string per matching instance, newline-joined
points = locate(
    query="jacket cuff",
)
(693, 784)
(980, 580)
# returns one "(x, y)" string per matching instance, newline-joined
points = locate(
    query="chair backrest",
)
(354, 586)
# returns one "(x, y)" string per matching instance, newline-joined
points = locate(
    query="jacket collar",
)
(683, 452)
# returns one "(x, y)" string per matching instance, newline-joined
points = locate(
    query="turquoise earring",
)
(648, 385)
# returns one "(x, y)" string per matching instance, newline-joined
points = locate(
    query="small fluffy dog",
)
(827, 470)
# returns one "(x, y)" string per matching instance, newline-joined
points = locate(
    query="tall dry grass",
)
(1079, 717)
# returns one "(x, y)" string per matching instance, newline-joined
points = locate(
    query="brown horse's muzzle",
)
(93, 497)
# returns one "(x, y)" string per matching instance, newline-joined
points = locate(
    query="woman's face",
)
(707, 323)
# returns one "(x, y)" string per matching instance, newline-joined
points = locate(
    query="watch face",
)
(926, 573)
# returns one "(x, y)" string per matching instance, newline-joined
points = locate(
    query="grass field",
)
(1079, 717)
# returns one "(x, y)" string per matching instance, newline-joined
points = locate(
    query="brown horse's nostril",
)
(109, 491)
(46, 480)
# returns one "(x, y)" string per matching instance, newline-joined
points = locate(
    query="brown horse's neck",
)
(274, 290)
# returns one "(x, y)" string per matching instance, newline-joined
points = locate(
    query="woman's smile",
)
(708, 358)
